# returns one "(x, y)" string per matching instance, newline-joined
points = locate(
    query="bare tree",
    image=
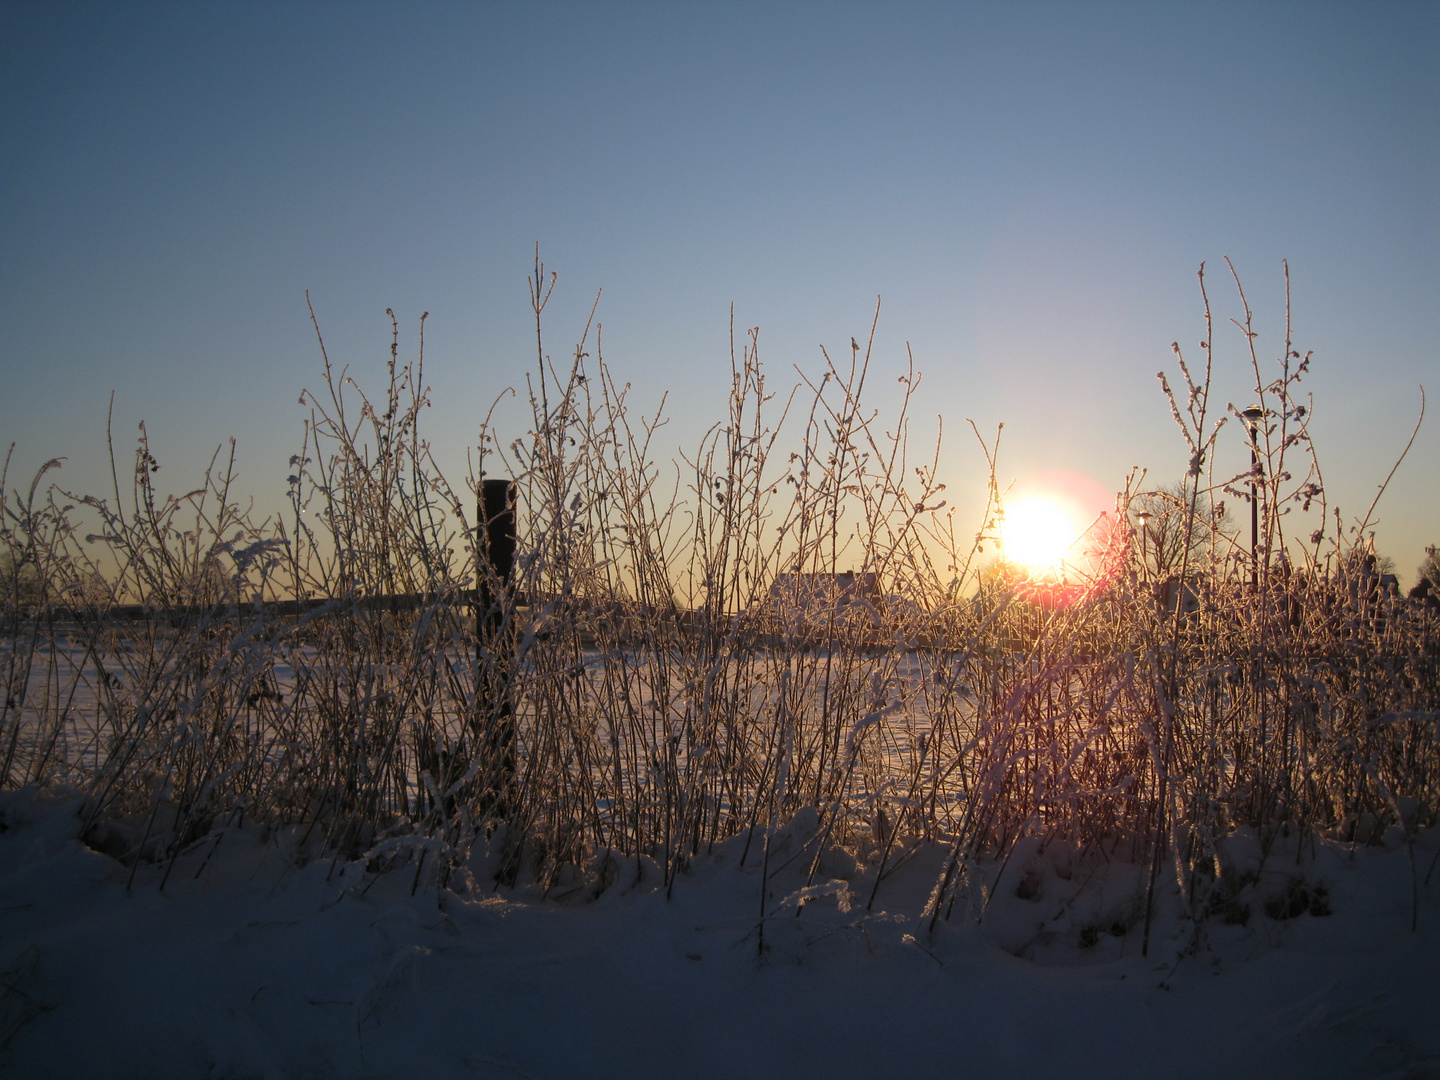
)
(1166, 531)
(1428, 585)
(1430, 567)
(19, 583)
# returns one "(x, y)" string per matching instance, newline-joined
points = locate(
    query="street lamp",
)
(1143, 518)
(1253, 417)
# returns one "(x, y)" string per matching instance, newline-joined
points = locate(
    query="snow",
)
(247, 964)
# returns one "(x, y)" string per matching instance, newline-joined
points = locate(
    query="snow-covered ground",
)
(259, 967)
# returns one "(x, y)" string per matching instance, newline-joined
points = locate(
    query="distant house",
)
(814, 598)
(1425, 593)
(1173, 592)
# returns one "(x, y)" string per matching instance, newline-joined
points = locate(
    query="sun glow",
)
(1037, 534)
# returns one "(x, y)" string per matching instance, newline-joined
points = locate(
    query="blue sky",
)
(1029, 187)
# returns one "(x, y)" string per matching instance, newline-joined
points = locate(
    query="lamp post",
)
(1144, 519)
(1253, 417)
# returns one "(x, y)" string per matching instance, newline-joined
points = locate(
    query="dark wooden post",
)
(494, 629)
(497, 513)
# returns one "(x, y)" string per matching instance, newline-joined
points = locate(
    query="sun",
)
(1037, 534)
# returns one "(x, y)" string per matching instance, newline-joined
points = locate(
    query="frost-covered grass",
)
(1166, 745)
